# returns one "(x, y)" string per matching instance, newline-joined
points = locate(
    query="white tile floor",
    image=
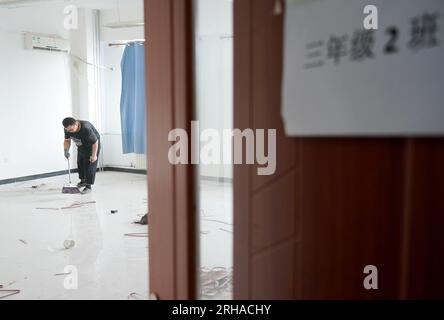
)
(110, 265)
(216, 225)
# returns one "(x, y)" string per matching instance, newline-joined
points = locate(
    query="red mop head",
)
(70, 189)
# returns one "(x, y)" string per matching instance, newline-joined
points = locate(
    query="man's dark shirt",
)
(85, 138)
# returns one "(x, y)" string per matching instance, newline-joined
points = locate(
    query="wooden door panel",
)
(171, 201)
(357, 201)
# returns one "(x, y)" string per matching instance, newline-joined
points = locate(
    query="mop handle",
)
(69, 172)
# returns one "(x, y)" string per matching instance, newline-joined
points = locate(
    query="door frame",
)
(173, 258)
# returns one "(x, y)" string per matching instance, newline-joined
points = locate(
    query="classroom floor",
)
(108, 264)
(36, 219)
(216, 239)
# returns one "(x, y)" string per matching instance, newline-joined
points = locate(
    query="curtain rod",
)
(90, 64)
(126, 43)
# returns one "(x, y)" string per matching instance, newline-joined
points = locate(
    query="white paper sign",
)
(342, 79)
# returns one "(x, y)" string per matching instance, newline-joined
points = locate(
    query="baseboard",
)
(64, 172)
(36, 176)
(127, 170)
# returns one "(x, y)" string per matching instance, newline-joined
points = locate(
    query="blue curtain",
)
(133, 100)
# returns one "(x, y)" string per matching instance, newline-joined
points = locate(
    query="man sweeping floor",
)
(87, 140)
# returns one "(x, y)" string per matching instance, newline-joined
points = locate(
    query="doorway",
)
(214, 114)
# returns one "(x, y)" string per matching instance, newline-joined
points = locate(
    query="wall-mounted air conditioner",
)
(46, 42)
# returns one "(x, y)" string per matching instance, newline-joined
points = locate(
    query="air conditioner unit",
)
(46, 42)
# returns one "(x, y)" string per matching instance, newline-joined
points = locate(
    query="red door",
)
(334, 205)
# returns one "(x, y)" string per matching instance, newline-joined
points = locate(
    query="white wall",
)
(112, 85)
(35, 94)
(214, 74)
(81, 48)
(38, 89)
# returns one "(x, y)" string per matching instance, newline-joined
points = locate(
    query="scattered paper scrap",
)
(135, 295)
(78, 205)
(8, 293)
(72, 206)
(136, 235)
(218, 221)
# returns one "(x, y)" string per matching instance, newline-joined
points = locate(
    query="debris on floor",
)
(23, 241)
(216, 281)
(8, 293)
(69, 244)
(78, 205)
(136, 235)
(38, 186)
(47, 208)
(135, 296)
(114, 211)
(62, 274)
(72, 206)
(218, 221)
(143, 220)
